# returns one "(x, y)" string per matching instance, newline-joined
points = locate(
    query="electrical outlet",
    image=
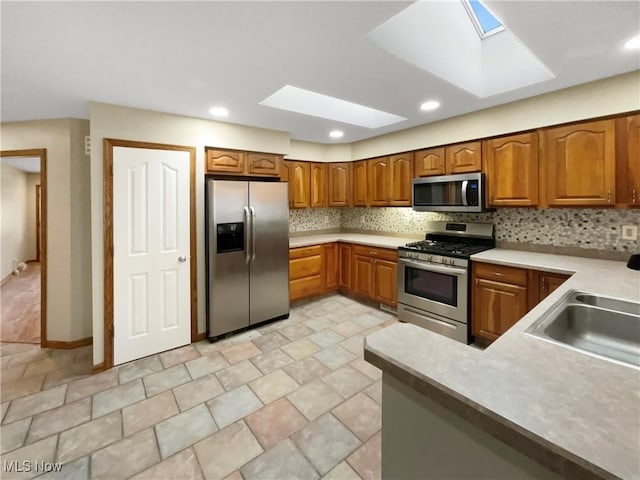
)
(326, 219)
(629, 232)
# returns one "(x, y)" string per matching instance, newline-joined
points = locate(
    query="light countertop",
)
(382, 241)
(574, 407)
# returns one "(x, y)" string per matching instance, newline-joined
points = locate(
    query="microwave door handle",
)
(435, 268)
(465, 183)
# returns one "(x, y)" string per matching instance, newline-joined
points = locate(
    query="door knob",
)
(182, 259)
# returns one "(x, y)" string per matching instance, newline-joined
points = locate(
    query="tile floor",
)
(292, 399)
(20, 299)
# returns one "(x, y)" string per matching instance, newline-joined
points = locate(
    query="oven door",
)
(434, 288)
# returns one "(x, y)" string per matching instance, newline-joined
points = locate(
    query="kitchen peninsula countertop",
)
(575, 413)
(382, 241)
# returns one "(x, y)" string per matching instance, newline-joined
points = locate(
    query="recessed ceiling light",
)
(429, 105)
(219, 112)
(633, 43)
(336, 134)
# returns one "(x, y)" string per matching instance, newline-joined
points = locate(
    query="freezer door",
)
(269, 283)
(228, 269)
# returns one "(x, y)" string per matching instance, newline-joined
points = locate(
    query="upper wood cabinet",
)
(401, 172)
(378, 182)
(263, 164)
(628, 160)
(318, 184)
(464, 157)
(299, 184)
(359, 184)
(578, 167)
(429, 162)
(225, 161)
(511, 165)
(339, 184)
(233, 162)
(389, 180)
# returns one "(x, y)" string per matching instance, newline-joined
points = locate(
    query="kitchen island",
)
(523, 407)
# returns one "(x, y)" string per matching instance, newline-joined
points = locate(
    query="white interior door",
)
(150, 252)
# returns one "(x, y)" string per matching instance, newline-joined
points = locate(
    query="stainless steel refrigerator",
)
(248, 254)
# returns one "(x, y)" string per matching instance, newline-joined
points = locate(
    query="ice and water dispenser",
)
(230, 237)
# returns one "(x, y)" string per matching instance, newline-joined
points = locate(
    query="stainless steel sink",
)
(601, 326)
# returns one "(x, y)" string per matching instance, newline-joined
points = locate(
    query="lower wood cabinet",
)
(331, 265)
(344, 258)
(503, 295)
(306, 272)
(368, 272)
(374, 274)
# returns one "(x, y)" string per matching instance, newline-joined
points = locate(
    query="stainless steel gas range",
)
(434, 280)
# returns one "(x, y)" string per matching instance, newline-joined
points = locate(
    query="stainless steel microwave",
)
(449, 193)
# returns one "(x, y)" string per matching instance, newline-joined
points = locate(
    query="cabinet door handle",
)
(609, 196)
(633, 196)
(544, 284)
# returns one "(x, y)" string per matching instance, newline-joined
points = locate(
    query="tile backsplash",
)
(598, 229)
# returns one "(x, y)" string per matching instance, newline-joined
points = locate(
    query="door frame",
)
(42, 153)
(108, 145)
(38, 217)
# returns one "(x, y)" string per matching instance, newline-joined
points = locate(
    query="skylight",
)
(484, 21)
(299, 100)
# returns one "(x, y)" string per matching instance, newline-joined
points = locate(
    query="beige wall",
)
(112, 121)
(18, 228)
(66, 268)
(605, 97)
(319, 152)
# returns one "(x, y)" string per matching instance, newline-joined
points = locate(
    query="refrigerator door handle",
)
(253, 234)
(247, 233)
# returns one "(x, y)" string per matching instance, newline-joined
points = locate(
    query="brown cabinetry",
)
(339, 184)
(374, 274)
(511, 165)
(330, 256)
(628, 160)
(299, 184)
(359, 184)
(578, 167)
(499, 299)
(401, 172)
(305, 272)
(234, 162)
(318, 185)
(344, 258)
(502, 295)
(389, 180)
(429, 162)
(464, 157)
(225, 161)
(378, 181)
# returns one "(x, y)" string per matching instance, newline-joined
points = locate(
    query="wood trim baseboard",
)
(83, 342)
(198, 337)
(108, 145)
(100, 367)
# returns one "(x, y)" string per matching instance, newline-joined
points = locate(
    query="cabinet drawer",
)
(500, 273)
(305, 287)
(305, 267)
(305, 251)
(375, 252)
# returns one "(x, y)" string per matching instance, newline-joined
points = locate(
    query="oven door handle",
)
(427, 317)
(434, 268)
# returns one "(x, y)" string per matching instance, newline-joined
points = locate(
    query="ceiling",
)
(26, 164)
(186, 57)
